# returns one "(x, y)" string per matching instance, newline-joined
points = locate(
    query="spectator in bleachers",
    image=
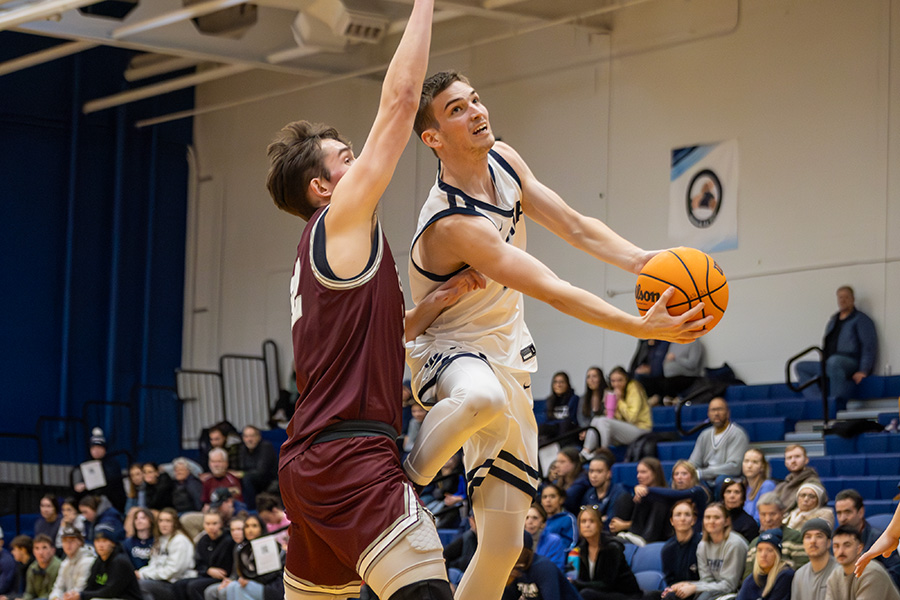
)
(250, 584)
(41, 575)
(448, 489)
(647, 363)
(213, 559)
(7, 569)
(76, 566)
(112, 473)
(684, 364)
(596, 488)
(756, 473)
(851, 511)
(221, 435)
(187, 493)
(720, 557)
(545, 543)
(112, 575)
(171, 559)
(158, 485)
(631, 420)
(642, 522)
(850, 347)
(559, 520)
(533, 576)
(772, 577)
(812, 500)
(48, 523)
(771, 516)
(685, 484)
(590, 403)
(22, 549)
(224, 503)
(97, 510)
(799, 472)
(603, 572)
(415, 423)
(566, 469)
(459, 552)
(810, 580)
(719, 450)
(272, 513)
(139, 545)
(734, 493)
(69, 517)
(873, 583)
(257, 464)
(219, 477)
(560, 407)
(679, 554)
(136, 493)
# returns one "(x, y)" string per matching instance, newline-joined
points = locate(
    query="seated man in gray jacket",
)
(719, 451)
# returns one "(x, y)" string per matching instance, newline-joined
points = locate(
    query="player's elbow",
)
(404, 97)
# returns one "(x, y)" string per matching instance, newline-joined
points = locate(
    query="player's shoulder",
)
(508, 153)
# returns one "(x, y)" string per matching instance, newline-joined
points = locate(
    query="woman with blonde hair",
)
(757, 473)
(685, 485)
(171, 559)
(771, 577)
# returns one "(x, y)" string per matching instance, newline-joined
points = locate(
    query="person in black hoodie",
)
(602, 572)
(112, 471)
(734, 494)
(213, 559)
(112, 574)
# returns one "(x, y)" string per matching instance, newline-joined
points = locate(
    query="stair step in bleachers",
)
(846, 465)
(867, 443)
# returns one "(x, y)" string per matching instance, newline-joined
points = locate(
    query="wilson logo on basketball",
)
(644, 296)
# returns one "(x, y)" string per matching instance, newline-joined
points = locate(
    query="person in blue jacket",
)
(546, 544)
(850, 347)
(97, 510)
(536, 578)
(596, 488)
(559, 520)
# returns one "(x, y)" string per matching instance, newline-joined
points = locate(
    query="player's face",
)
(533, 521)
(795, 459)
(462, 120)
(598, 473)
(681, 477)
(846, 549)
(766, 556)
(815, 544)
(683, 518)
(847, 514)
(752, 465)
(338, 160)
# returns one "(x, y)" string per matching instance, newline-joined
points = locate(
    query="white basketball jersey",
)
(489, 321)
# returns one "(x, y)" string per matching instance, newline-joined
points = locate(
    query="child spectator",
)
(545, 543)
(559, 521)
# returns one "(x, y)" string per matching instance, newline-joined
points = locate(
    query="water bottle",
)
(573, 563)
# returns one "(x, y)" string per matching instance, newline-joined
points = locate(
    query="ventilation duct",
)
(345, 22)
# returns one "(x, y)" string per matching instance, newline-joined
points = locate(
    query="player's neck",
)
(471, 175)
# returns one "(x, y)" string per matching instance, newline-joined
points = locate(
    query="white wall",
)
(805, 86)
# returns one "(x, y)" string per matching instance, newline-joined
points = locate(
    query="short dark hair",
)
(850, 494)
(92, 502)
(295, 159)
(848, 530)
(541, 511)
(42, 538)
(606, 456)
(559, 491)
(433, 86)
(22, 541)
(266, 502)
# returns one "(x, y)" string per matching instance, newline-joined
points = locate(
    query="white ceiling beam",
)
(175, 16)
(38, 11)
(475, 11)
(494, 4)
(159, 67)
(39, 58)
(164, 87)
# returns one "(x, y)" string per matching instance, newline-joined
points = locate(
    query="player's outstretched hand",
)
(883, 546)
(682, 329)
(458, 286)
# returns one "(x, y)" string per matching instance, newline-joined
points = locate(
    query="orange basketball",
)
(695, 276)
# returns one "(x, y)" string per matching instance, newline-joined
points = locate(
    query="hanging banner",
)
(703, 197)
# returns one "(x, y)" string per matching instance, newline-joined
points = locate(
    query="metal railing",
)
(821, 380)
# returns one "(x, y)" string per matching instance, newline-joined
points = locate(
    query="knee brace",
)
(430, 589)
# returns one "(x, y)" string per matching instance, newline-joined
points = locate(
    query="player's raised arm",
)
(474, 241)
(354, 199)
(591, 235)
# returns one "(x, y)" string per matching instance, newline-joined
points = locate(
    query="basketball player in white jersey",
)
(471, 368)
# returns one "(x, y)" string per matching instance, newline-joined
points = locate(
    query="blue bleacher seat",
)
(779, 471)
(883, 464)
(625, 473)
(630, 549)
(648, 558)
(824, 465)
(674, 450)
(877, 507)
(887, 487)
(650, 581)
(835, 444)
(849, 465)
(879, 521)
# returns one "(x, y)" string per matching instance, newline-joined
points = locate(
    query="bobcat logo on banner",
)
(703, 196)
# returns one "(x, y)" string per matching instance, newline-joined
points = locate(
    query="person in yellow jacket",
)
(627, 415)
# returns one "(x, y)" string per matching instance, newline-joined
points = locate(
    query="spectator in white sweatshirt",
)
(76, 567)
(171, 559)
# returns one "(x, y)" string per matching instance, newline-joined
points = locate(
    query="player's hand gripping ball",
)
(695, 276)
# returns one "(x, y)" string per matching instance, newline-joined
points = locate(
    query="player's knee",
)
(486, 402)
(430, 589)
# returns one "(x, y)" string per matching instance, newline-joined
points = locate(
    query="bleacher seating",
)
(650, 581)
(648, 558)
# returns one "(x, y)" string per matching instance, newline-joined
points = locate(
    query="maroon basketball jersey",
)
(348, 340)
